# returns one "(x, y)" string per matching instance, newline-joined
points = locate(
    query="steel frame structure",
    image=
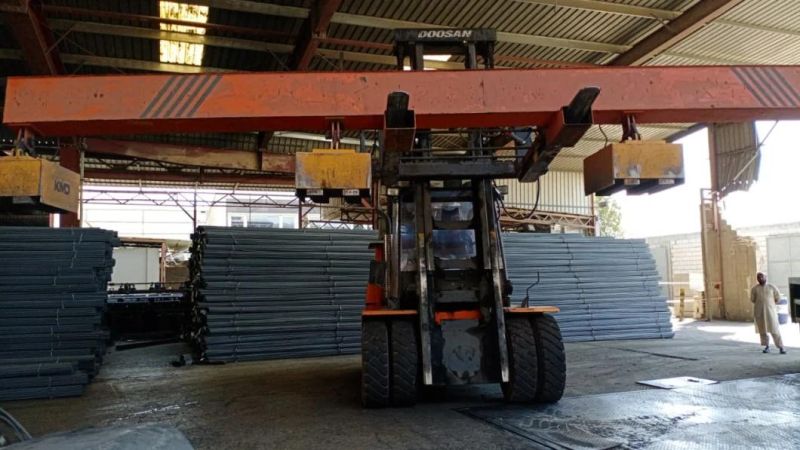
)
(511, 218)
(188, 200)
(514, 218)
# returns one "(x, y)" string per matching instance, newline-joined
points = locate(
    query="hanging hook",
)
(335, 133)
(629, 129)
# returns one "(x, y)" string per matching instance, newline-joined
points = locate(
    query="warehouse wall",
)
(561, 192)
(686, 256)
(167, 222)
(784, 260)
(136, 265)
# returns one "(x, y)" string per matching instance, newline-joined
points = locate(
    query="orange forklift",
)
(438, 310)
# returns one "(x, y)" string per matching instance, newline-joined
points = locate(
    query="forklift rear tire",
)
(375, 364)
(522, 361)
(405, 363)
(551, 359)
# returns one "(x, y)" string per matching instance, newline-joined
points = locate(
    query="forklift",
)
(438, 308)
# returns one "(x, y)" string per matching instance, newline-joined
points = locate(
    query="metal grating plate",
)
(677, 382)
(759, 413)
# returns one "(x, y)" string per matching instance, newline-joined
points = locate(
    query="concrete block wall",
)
(686, 256)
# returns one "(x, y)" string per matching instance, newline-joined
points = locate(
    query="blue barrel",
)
(783, 311)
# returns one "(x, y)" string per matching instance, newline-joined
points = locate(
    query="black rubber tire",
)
(405, 363)
(374, 364)
(551, 357)
(523, 369)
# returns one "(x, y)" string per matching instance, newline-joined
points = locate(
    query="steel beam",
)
(195, 156)
(34, 37)
(252, 45)
(119, 63)
(610, 8)
(136, 64)
(257, 44)
(186, 177)
(74, 26)
(314, 28)
(155, 21)
(692, 20)
(391, 24)
(757, 27)
(146, 104)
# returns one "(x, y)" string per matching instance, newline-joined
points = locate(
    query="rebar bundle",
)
(278, 293)
(53, 285)
(606, 288)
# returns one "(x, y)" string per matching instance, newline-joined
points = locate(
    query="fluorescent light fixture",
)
(442, 58)
(182, 52)
(438, 58)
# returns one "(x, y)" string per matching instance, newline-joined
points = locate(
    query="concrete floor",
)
(314, 403)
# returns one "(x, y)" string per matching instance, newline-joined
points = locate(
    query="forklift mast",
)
(448, 261)
(441, 255)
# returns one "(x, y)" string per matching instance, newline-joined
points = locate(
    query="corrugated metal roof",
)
(510, 17)
(738, 155)
(514, 17)
(239, 59)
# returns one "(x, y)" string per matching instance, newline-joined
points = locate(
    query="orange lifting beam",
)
(213, 102)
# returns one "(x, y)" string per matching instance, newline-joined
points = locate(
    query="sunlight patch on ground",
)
(745, 332)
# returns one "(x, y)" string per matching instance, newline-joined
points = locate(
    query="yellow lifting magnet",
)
(28, 183)
(639, 167)
(333, 169)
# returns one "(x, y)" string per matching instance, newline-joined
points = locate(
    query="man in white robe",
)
(765, 299)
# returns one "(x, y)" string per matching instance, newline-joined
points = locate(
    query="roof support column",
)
(314, 29)
(26, 21)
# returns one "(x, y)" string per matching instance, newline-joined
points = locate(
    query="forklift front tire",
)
(522, 361)
(375, 364)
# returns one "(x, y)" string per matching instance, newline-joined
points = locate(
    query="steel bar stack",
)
(277, 293)
(53, 285)
(606, 288)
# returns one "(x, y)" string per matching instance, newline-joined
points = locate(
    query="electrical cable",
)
(538, 193)
(20, 431)
(605, 136)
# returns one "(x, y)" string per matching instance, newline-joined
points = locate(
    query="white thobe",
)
(765, 310)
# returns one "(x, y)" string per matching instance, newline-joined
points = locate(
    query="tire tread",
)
(551, 357)
(522, 356)
(374, 364)
(405, 363)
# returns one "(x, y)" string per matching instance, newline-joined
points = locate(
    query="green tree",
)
(610, 216)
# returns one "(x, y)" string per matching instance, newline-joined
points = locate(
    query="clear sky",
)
(773, 199)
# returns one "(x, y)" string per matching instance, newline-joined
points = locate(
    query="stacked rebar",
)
(53, 285)
(278, 293)
(606, 288)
